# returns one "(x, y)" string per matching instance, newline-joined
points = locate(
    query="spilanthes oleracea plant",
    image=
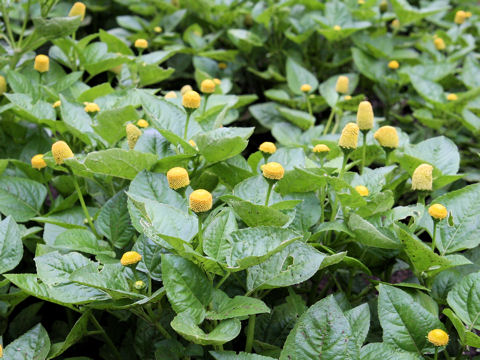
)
(130, 258)
(133, 134)
(3, 85)
(42, 63)
(38, 162)
(177, 178)
(342, 84)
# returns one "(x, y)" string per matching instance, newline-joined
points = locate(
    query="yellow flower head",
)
(177, 178)
(61, 151)
(91, 107)
(452, 97)
(468, 14)
(185, 89)
(395, 23)
(217, 81)
(349, 136)
(139, 285)
(171, 95)
(142, 123)
(157, 29)
(78, 9)
(394, 65)
(3, 85)
(362, 190)
(192, 143)
(56, 104)
(438, 211)
(342, 85)
(361, 2)
(337, 28)
(387, 136)
(222, 65)
(460, 17)
(38, 162)
(273, 171)
(133, 133)
(267, 147)
(439, 43)
(305, 88)
(438, 337)
(191, 100)
(141, 44)
(200, 201)
(42, 63)
(422, 178)
(321, 148)
(130, 258)
(207, 86)
(347, 97)
(1, 351)
(365, 115)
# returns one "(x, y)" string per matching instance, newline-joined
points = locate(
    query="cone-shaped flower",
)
(305, 88)
(439, 43)
(207, 86)
(3, 85)
(61, 151)
(387, 136)
(394, 65)
(460, 17)
(78, 9)
(217, 81)
(191, 100)
(273, 171)
(133, 133)
(185, 89)
(130, 258)
(395, 24)
(422, 178)
(200, 201)
(438, 337)
(158, 29)
(177, 178)
(142, 123)
(365, 115)
(349, 136)
(342, 85)
(38, 162)
(267, 147)
(337, 28)
(91, 107)
(347, 97)
(438, 211)
(139, 285)
(321, 148)
(42, 63)
(141, 44)
(192, 143)
(362, 190)
(452, 97)
(171, 95)
(56, 104)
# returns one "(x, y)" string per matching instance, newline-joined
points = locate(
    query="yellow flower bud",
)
(222, 65)
(191, 100)
(130, 258)
(157, 29)
(3, 85)
(133, 133)
(1, 351)
(468, 14)
(141, 44)
(342, 85)
(267, 147)
(452, 97)
(337, 28)
(395, 23)
(91, 107)
(185, 89)
(177, 178)
(361, 2)
(438, 211)
(394, 65)
(383, 6)
(78, 9)
(38, 162)
(207, 86)
(61, 151)
(56, 104)
(365, 115)
(439, 43)
(217, 81)
(142, 123)
(347, 97)
(422, 178)
(321, 148)
(171, 95)
(305, 88)
(200, 201)
(42, 63)
(349, 136)
(362, 190)
(387, 136)
(192, 143)
(139, 285)
(438, 337)
(460, 17)
(273, 170)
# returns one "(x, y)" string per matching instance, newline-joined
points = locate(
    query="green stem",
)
(149, 285)
(84, 207)
(200, 235)
(6, 21)
(436, 353)
(329, 122)
(344, 164)
(222, 281)
(105, 336)
(269, 191)
(24, 26)
(250, 334)
(421, 197)
(434, 235)
(337, 123)
(364, 151)
(309, 105)
(204, 107)
(186, 124)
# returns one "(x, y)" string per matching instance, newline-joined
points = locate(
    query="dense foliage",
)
(231, 179)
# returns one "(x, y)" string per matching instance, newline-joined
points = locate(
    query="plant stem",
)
(269, 191)
(222, 281)
(421, 197)
(434, 235)
(6, 21)
(329, 122)
(186, 124)
(250, 334)
(205, 104)
(105, 336)
(84, 207)
(436, 353)
(344, 164)
(24, 26)
(309, 105)
(364, 151)
(200, 235)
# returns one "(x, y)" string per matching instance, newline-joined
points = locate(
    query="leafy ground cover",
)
(226, 179)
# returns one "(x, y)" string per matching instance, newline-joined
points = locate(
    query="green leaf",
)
(34, 344)
(457, 323)
(244, 39)
(369, 66)
(223, 307)
(225, 331)
(11, 246)
(297, 75)
(328, 88)
(408, 14)
(78, 331)
(115, 44)
(215, 235)
(405, 322)
(54, 268)
(56, 27)
(78, 122)
(359, 319)
(464, 299)
(299, 118)
(95, 92)
(83, 241)
(387, 352)
(188, 289)
(151, 257)
(323, 331)
(300, 180)
(111, 123)
(429, 90)
(153, 74)
(368, 234)
(222, 143)
(21, 198)
(231, 355)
